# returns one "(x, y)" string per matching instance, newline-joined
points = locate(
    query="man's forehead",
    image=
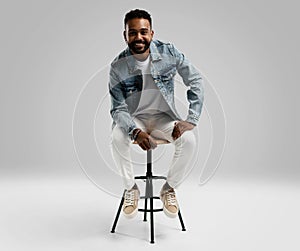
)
(138, 24)
(141, 29)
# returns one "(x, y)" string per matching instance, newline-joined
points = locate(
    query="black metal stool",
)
(148, 195)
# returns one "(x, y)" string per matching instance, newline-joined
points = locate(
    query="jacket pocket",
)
(168, 74)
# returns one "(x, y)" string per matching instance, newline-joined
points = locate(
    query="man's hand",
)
(145, 141)
(180, 127)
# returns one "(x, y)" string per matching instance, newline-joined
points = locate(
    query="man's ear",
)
(152, 34)
(124, 35)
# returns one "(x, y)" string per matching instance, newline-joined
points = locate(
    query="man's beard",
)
(138, 50)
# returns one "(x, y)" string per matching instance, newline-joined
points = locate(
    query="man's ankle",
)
(135, 187)
(166, 187)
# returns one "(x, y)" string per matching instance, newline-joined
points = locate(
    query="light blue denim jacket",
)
(125, 81)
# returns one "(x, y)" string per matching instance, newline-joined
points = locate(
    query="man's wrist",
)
(135, 133)
(190, 122)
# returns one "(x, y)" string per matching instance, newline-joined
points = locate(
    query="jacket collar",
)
(154, 54)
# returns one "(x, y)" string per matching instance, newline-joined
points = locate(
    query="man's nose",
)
(138, 36)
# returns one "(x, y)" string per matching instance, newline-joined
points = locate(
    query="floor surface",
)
(73, 214)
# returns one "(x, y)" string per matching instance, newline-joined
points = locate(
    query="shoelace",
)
(129, 198)
(171, 198)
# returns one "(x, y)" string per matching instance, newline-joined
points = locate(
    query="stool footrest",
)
(149, 210)
(152, 177)
(153, 197)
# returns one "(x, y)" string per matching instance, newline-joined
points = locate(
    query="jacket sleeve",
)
(192, 79)
(119, 109)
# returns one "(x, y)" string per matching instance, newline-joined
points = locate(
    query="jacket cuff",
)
(193, 119)
(130, 131)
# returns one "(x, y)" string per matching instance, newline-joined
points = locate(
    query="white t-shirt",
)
(151, 102)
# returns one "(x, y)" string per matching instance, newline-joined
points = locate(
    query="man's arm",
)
(195, 95)
(119, 109)
(121, 116)
(192, 79)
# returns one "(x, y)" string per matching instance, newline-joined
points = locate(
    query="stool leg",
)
(151, 211)
(145, 212)
(181, 221)
(150, 193)
(118, 214)
(151, 220)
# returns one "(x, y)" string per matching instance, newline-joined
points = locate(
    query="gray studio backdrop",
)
(247, 51)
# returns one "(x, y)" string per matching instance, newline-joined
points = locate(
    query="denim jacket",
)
(125, 80)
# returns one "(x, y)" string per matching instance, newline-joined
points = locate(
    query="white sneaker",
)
(130, 206)
(170, 205)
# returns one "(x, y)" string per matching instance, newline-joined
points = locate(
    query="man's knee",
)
(119, 137)
(190, 138)
(187, 139)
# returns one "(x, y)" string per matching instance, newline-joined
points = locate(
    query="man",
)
(141, 87)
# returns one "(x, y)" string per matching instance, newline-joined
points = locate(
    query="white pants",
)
(159, 127)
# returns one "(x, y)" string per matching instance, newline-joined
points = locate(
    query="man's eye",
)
(132, 33)
(144, 32)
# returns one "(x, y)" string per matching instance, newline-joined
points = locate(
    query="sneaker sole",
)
(169, 214)
(131, 215)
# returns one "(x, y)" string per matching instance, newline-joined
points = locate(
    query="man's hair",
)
(137, 14)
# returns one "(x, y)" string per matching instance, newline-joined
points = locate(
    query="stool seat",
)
(157, 141)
